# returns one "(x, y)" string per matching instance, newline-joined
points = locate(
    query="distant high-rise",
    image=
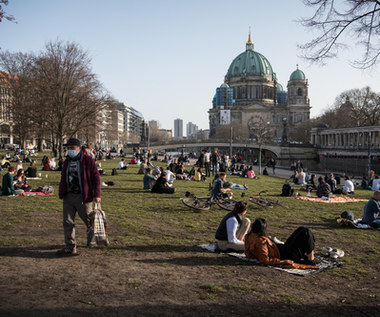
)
(178, 128)
(191, 130)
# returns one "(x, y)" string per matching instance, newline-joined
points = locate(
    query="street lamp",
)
(284, 138)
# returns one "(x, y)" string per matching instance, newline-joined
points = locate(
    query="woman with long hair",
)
(297, 252)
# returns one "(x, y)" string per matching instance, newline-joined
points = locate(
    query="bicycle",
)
(205, 202)
(264, 202)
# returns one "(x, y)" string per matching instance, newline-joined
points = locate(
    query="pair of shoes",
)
(67, 251)
(333, 253)
(245, 186)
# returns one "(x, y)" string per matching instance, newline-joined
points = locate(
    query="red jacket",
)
(89, 178)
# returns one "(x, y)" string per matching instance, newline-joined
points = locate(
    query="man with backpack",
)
(79, 187)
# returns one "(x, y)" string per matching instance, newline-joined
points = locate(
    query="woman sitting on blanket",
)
(233, 228)
(296, 253)
(323, 189)
(20, 181)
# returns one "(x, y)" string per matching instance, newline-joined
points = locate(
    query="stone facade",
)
(256, 96)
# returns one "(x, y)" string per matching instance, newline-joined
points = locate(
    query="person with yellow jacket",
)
(296, 253)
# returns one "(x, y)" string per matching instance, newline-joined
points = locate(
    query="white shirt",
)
(349, 186)
(169, 175)
(376, 184)
(232, 227)
(121, 165)
(52, 164)
(206, 157)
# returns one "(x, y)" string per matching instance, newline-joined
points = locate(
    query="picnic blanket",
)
(35, 194)
(333, 199)
(356, 223)
(322, 262)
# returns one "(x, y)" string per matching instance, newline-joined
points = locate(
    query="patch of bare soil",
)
(147, 281)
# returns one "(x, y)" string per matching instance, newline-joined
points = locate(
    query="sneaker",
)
(245, 186)
(336, 253)
(66, 251)
(326, 251)
(104, 184)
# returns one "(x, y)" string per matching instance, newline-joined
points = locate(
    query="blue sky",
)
(166, 57)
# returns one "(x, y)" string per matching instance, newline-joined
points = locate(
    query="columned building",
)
(251, 93)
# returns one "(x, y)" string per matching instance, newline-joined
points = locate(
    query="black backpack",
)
(114, 171)
(287, 190)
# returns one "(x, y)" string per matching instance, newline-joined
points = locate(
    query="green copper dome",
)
(298, 75)
(250, 63)
(279, 87)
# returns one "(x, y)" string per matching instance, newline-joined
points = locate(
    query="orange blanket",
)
(333, 199)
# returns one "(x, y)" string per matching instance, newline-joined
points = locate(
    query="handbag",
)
(99, 225)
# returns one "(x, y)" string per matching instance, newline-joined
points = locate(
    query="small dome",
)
(298, 75)
(224, 86)
(279, 87)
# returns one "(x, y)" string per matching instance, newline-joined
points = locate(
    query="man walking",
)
(79, 187)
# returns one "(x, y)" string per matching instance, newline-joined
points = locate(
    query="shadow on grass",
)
(157, 248)
(197, 261)
(45, 252)
(321, 224)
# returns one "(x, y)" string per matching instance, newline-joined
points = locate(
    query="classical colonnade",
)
(346, 138)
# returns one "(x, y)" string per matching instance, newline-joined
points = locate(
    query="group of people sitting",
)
(243, 171)
(13, 181)
(236, 233)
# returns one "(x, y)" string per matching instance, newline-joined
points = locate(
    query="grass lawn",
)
(152, 266)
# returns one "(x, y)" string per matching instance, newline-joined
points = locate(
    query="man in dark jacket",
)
(79, 187)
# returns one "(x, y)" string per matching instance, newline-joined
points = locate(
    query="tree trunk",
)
(260, 159)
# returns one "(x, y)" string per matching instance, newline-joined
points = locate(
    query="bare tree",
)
(336, 19)
(3, 14)
(20, 82)
(353, 108)
(69, 93)
(260, 131)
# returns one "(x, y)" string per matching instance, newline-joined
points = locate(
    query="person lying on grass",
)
(296, 253)
(233, 228)
(371, 214)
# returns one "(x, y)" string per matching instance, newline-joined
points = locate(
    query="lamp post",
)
(369, 154)
(284, 138)
(230, 142)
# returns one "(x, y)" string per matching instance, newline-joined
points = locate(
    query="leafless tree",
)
(353, 108)
(3, 14)
(20, 82)
(335, 20)
(260, 130)
(69, 93)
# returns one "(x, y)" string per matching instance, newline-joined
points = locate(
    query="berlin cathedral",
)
(251, 94)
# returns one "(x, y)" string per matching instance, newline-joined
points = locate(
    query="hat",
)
(72, 141)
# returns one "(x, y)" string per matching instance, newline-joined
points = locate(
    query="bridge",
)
(283, 154)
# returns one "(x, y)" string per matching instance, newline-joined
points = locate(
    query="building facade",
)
(251, 94)
(6, 136)
(178, 129)
(191, 130)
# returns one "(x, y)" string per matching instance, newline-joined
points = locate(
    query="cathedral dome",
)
(298, 75)
(250, 63)
(279, 87)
